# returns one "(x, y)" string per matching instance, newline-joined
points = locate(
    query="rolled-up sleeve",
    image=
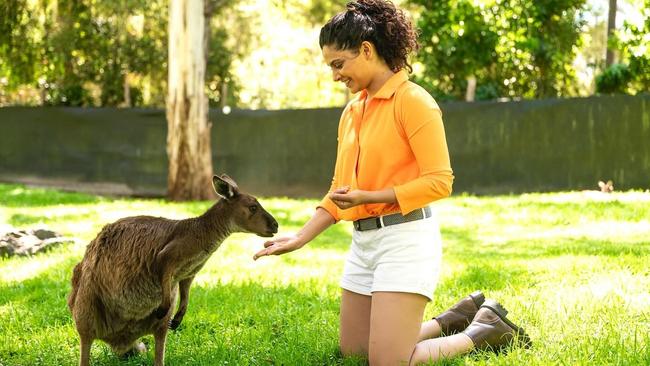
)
(421, 119)
(327, 204)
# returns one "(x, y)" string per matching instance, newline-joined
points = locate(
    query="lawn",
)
(572, 268)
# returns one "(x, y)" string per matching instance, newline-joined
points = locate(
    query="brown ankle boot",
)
(460, 315)
(490, 328)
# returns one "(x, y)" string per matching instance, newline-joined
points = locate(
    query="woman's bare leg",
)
(395, 322)
(387, 328)
(430, 329)
(355, 323)
(396, 327)
(432, 350)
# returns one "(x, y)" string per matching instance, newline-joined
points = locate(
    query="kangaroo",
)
(606, 187)
(131, 273)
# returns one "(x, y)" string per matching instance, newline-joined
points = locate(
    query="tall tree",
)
(611, 27)
(188, 129)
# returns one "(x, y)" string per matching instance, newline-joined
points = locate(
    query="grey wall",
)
(495, 147)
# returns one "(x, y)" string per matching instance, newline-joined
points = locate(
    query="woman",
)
(392, 162)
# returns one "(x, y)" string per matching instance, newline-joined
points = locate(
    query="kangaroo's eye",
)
(252, 209)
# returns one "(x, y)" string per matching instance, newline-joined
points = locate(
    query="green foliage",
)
(452, 32)
(91, 53)
(320, 11)
(18, 53)
(633, 43)
(516, 49)
(614, 79)
(571, 268)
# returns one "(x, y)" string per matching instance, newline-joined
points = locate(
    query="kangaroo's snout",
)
(270, 227)
(273, 225)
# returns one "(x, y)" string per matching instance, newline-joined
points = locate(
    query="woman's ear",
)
(367, 49)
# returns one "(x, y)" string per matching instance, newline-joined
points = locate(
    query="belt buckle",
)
(357, 225)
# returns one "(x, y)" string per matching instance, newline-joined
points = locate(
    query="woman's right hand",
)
(280, 246)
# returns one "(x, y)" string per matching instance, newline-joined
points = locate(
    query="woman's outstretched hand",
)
(280, 246)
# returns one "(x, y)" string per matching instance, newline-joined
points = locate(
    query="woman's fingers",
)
(268, 243)
(340, 197)
(344, 189)
(263, 252)
(340, 194)
(275, 247)
(342, 205)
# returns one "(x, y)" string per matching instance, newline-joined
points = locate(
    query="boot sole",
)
(521, 338)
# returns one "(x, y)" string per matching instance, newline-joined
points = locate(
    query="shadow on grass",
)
(592, 210)
(461, 244)
(19, 220)
(519, 249)
(574, 246)
(489, 276)
(19, 196)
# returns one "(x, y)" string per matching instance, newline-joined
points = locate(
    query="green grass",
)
(572, 268)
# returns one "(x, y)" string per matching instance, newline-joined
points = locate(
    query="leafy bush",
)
(614, 79)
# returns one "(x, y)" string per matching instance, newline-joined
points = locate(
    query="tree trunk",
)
(127, 90)
(188, 130)
(470, 93)
(224, 94)
(611, 25)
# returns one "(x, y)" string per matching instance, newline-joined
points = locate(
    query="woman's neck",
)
(378, 81)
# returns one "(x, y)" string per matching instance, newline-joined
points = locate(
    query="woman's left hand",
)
(344, 199)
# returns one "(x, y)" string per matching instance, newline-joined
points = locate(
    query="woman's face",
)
(348, 67)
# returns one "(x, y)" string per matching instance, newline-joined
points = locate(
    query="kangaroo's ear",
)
(601, 184)
(224, 186)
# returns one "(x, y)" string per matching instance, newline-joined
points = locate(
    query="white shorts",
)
(398, 258)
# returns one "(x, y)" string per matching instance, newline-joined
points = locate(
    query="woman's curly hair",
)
(375, 21)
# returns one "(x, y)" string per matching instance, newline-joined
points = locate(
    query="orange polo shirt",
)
(397, 142)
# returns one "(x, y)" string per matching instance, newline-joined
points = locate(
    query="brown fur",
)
(127, 282)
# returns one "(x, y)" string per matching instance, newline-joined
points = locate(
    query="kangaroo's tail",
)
(76, 277)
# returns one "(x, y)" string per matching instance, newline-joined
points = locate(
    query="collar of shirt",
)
(390, 86)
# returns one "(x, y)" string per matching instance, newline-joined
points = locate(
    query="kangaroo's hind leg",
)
(160, 332)
(83, 316)
(184, 289)
(160, 336)
(85, 342)
(86, 338)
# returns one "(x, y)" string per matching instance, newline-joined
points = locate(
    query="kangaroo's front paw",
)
(161, 312)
